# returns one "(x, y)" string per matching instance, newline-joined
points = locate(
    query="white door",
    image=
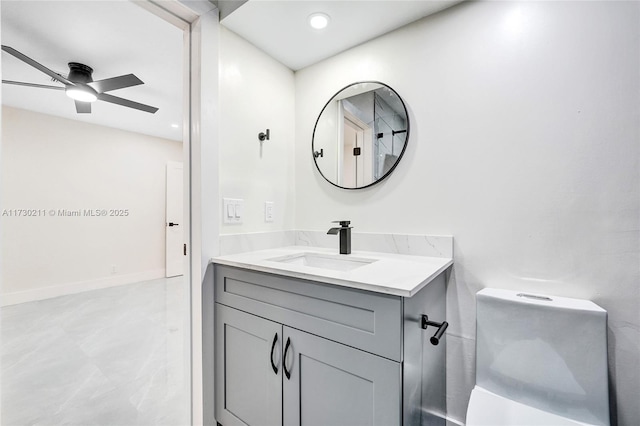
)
(174, 226)
(357, 167)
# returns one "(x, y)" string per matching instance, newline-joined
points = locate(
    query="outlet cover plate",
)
(268, 211)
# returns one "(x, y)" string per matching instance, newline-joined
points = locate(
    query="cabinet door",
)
(248, 390)
(332, 384)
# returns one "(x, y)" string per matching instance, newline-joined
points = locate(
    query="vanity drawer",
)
(361, 319)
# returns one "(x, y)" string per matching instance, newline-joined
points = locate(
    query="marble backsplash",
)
(417, 245)
(240, 243)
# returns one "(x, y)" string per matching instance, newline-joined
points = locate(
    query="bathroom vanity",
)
(306, 336)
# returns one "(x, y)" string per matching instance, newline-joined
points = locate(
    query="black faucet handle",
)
(343, 223)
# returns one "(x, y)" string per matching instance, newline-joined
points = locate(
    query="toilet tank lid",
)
(539, 299)
(489, 409)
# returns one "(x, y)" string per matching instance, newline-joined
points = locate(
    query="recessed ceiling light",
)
(319, 20)
(175, 126)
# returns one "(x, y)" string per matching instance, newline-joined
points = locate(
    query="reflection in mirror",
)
(360, 135)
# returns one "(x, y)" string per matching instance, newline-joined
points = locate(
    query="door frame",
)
(199, 20)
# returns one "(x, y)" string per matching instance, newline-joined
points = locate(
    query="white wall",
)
(325, 138)
(256, 93)
(51, 163)
(523, 146)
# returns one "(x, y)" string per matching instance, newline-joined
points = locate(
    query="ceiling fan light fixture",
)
(319, 20)
(81, 94)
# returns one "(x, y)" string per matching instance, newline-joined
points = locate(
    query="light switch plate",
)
(232, 210)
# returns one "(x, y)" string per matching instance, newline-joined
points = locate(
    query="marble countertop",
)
(396, 274)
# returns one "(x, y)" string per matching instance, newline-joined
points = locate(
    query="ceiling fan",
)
(80, 87)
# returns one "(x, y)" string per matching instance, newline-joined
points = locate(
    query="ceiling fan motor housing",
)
(80, 73)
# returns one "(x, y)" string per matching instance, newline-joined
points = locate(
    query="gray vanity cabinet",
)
(341, 385)
(297, 352)
(248, 388)
(334, 384)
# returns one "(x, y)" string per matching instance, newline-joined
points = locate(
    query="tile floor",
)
(116, 356)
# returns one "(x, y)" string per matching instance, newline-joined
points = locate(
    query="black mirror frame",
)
(404, 148)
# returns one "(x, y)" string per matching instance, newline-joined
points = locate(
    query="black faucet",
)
(345, 235)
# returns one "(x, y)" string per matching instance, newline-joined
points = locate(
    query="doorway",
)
(107, 336)
(357, 152)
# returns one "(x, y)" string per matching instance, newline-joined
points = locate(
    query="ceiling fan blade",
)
(115, 83)
(126, 102)
(36, 65)
(83, 107)
(40, 86)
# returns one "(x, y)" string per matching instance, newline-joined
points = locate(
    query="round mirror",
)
(360, 135)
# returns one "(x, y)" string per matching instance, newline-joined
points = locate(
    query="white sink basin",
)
(324, 261)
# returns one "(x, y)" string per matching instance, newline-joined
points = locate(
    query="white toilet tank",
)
(539, 354)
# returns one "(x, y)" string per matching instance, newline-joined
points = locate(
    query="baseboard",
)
(43, 293)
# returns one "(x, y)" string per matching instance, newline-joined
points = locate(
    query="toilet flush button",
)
(533, 296)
